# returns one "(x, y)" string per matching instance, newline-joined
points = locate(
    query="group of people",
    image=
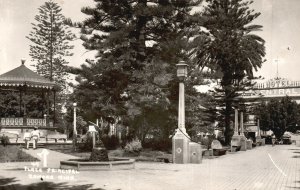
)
(32, 137)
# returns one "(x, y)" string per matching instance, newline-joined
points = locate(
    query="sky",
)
(279, 19)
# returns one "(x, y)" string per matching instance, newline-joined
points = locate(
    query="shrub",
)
(135, 146)
(4, 140)
(207, 140)
(87, 144)
(158, 144)
(110, 142)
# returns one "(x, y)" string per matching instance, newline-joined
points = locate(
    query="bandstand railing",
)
(22, 122)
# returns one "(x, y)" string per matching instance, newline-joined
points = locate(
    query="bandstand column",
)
(20, 104)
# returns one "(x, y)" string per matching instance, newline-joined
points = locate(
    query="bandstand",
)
(24, 81)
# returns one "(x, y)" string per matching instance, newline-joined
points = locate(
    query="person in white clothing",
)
(27, 137)
(35, 135)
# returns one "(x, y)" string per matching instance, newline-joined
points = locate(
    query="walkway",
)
(53, 157)
(263, 168)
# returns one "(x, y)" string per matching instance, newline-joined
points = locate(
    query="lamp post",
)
(181, 74)
(45, 119)
(180, 141)
(74, 126)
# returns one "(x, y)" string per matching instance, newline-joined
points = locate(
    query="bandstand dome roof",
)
(22, 76)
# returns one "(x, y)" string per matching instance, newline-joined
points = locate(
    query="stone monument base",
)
(243, 140)
(249, 144)
(235, 143)
(180, 147)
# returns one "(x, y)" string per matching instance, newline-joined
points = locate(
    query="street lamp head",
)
(181, 70)
(74, 104)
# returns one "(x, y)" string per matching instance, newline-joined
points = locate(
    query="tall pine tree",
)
(138, 44)
(50, 39)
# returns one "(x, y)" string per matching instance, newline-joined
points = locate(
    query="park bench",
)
(56, 137)
(218, 149)
(164, 158)
(11, 136)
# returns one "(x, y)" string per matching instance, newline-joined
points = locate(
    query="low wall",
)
(51, 146)
(84, 165)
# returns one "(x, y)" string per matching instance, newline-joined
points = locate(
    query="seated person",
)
(26, 138)
(35, 135)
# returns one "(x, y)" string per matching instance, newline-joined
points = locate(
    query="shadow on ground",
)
(294, 187)
(295, 156)
(11, 184)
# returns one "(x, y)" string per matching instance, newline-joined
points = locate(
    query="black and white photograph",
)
(149, 94)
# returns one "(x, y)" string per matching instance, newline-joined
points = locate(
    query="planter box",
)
(85, 165)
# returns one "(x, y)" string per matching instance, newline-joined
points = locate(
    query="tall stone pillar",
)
(243, 139)
(242, 124)
(258, 137)
(236, 122)
(259, 140)
(235, 139)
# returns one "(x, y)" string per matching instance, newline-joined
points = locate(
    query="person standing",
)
(273, 139)
(35, 135)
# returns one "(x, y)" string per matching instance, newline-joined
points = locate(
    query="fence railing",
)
(20, 121)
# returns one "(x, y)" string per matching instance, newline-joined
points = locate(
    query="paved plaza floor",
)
(265, 168)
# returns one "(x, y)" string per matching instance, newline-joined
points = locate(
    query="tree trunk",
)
(228, 130)
(227, 84)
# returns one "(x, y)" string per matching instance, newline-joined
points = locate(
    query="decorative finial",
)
(23, 61)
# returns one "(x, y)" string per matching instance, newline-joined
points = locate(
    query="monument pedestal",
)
(243, 140)
(258, 141)
(195, 153)
(235, 143)
(180, 147)
(249, 144)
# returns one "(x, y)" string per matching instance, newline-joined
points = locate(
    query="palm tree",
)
(229, 47)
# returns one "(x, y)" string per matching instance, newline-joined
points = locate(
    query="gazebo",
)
(24, 81)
